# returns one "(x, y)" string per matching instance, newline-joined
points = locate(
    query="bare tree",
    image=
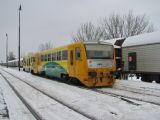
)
(87, 32)
(126, 25)
(11, 56)
(45, 46)
(115, 26)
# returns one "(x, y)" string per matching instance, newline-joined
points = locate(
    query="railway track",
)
(129, 98)
(139, 96)
(135, 90)
(33, 112)
(119, 93)
(118, 103)
(31, 109)
(139, 87)
(125, 97)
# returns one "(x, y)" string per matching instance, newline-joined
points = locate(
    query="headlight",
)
(92, 74)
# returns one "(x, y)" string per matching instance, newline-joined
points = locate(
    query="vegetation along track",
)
(37, 116)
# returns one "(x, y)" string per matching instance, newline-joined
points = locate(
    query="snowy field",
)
(3, 107)
(90, 103)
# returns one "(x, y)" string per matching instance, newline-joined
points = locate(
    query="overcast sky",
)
(55, 20)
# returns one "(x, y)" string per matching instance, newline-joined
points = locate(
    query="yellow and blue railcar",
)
(91, 63)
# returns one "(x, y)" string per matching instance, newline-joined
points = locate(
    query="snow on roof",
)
(97, 42)
(113, 41)
(143, 39)
(15, 60)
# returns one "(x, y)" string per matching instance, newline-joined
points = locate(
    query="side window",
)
(71, 57)
(59, 55)
(29, 60)
(33, 59)
(41, 57)
(78, 54)
(53, 56)
(24, 62)
(64, 55)
(46, 58)
(49, 57)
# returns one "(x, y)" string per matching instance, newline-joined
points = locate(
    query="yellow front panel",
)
(79, 69)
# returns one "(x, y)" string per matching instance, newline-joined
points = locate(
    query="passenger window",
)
(49, 57)
(59, 55)
(78, 54)
(64, 55)
(29, 61)
(53, 56)
(33, 59)
(46, 58)
(71, 57)
(41, 57)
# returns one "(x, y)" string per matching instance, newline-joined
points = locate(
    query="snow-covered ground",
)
(44, 106)
(98, 106)
(16, 109)
(138, 86)
(3, 107)
(136, 89)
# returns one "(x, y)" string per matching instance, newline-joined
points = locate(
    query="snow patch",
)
(3, 108)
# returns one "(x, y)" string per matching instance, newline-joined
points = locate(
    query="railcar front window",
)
(97, 51)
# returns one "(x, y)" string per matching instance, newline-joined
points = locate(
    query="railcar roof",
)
(143, 39)
(54, 49)
(95, 42)
(15, 60)
(113, 41)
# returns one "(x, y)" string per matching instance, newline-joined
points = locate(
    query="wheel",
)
(31, 71)
(143, 78)
(64, 76)
(43, 73)
(138, 76)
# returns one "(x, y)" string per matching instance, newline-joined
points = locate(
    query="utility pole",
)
(19, 39)
(7, 50)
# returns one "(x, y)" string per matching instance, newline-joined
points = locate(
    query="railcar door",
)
(71, 60)
(79, 62)
(76, 62)
(37, 62)
(132, 61)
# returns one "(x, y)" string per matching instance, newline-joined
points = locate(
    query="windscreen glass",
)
(99, 51)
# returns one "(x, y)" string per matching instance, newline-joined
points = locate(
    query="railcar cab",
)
(92, 63)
